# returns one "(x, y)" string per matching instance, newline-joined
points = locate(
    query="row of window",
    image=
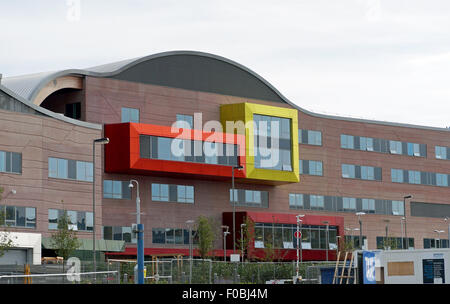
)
(118, 233)
(70, 169)
(175, 149)
(420, 177)
(345, 204)
(10, 162)
(312, 137)
(250, 198)
(79, 220)
(383, 145)
(361, 172)
(14, 216)
(435, 243)
(268, 235)
(173, 193)
(173, 236)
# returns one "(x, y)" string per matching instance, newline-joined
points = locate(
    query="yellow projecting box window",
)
(271, 135)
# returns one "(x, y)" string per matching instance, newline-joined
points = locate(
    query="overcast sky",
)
(377, 59)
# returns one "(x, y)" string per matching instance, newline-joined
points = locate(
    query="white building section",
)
(26, 249)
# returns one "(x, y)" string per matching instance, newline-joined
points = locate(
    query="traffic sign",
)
(297, 234)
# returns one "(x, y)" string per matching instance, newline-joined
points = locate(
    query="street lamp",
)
(225, 233)
(326, 238)
(189, 223)
(360, 227)
(401, 226)
(439, 237)
(299, 223)
(446, 219)
(242, 240)
(140, 235)
(102, 141)
(234, 206)
(404, 208)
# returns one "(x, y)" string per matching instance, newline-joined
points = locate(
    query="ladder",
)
(340, 276)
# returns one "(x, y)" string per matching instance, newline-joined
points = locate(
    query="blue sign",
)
(369, 267)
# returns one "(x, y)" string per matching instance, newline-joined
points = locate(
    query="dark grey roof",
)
(28, 86)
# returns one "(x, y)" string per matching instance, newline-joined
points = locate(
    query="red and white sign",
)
(297, 234)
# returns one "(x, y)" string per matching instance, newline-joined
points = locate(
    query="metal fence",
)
(198, 271)
(168, 271)
(59, 274)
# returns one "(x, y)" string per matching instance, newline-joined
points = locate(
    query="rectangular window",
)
(348, 171)
(349, 203)
(347, 141)
(398, 208)
(70, 169)
(78, 220)
(272, 143)
(185, 194)
(84, 171)
(160, 192)
(310, 137)
(116, 189)
(395, 147)
(130, 115)
(317, 202)
(441, 152)
(414, 177)
(10, 162)
(397, 175)
(295, 200)
(173, 193)
(368, 205)
(311, 167)
(250, 198)
(442, 180)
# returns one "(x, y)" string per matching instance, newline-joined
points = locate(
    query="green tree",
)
(206, 236)
(6, 241)
(64, 239)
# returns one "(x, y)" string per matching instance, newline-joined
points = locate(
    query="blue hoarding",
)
(369, 267)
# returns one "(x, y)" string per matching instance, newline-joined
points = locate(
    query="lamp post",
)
(242, 241)
(140, 235)
(299, 224)
(439, 237)
(234, 206)
(359, 214)
(102, 141)
(225, 233)
(404, 208)
(401, 226)
(189, 223)
(326, 238)
(446, 219)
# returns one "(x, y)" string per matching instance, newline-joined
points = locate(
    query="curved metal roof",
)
(48, 112)
(28, 86)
